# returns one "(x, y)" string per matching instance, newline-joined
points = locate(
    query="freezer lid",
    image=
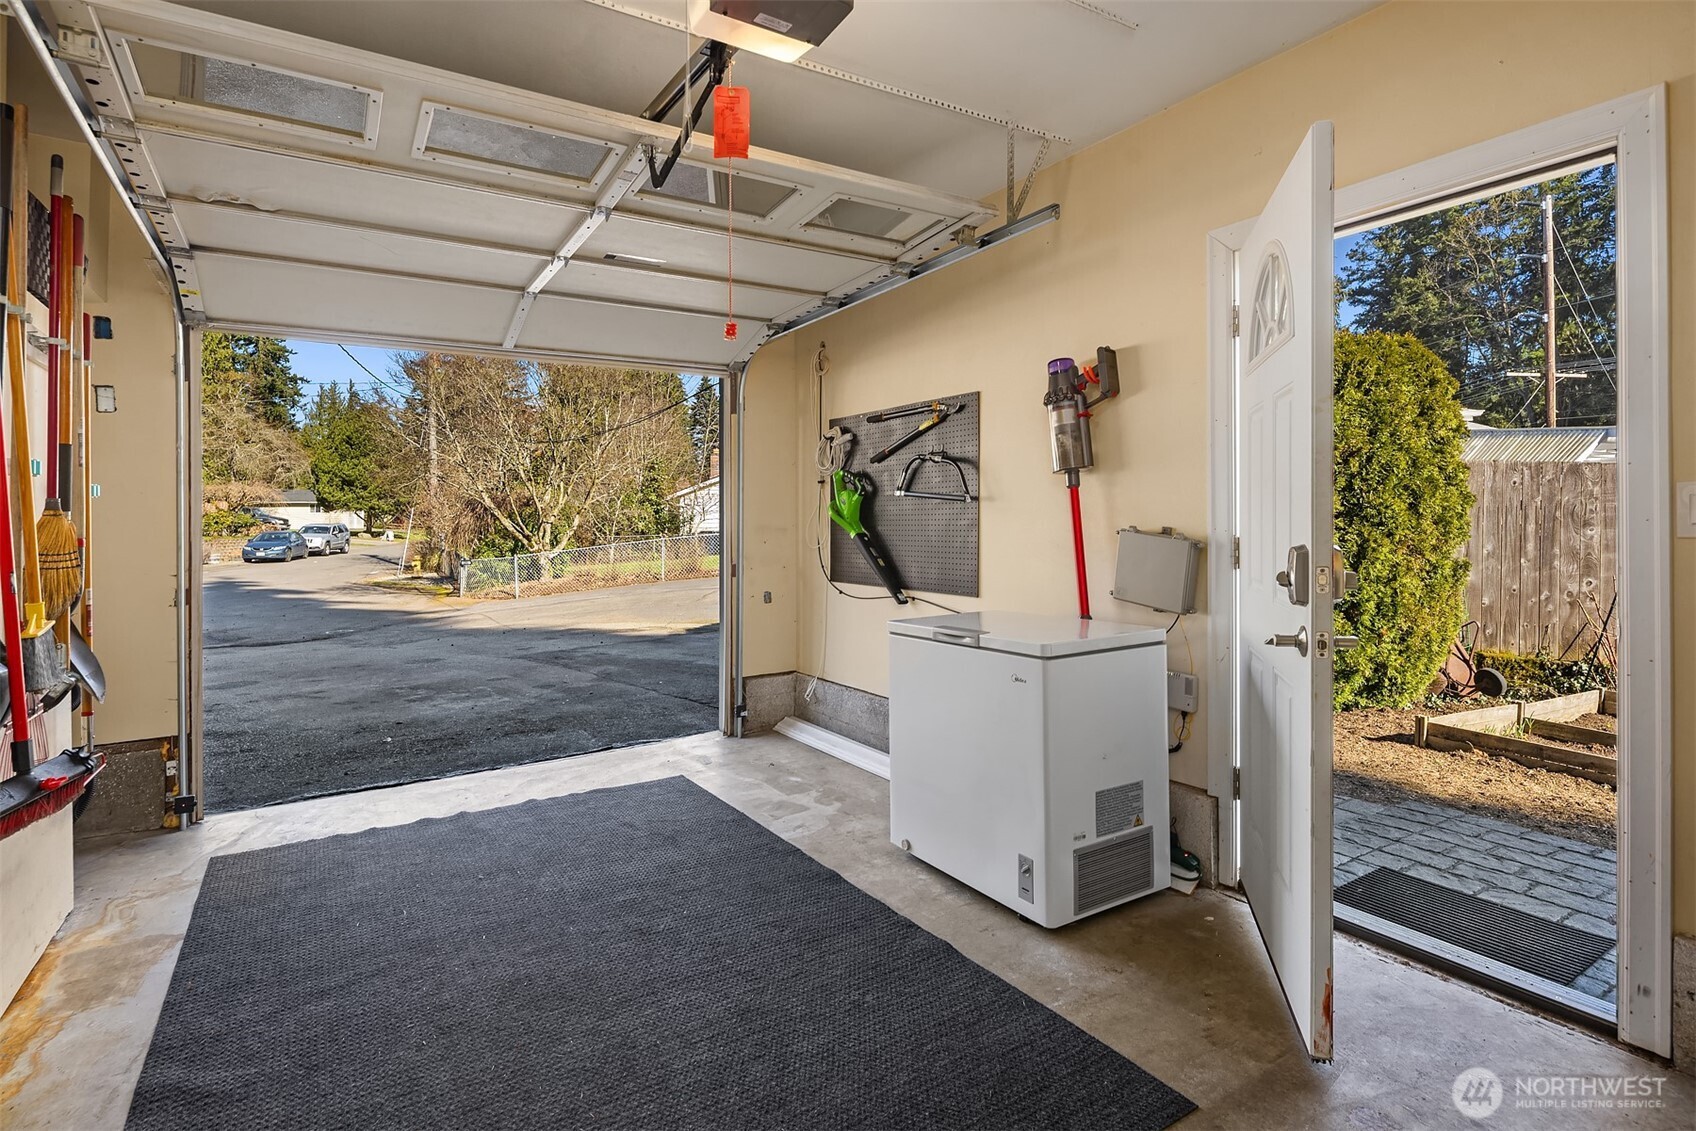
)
(1028, 634)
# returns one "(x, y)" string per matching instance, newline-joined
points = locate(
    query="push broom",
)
(60, 556)
(42, 671)
(23, 755)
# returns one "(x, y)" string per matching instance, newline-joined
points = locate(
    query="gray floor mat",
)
(641, 957)
(1525, 942)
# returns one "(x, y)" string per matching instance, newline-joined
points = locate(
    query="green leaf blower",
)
(848, 492)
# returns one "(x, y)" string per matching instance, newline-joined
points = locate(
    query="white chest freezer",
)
(1027, 758)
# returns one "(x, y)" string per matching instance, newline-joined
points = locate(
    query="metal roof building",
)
(1542, 445)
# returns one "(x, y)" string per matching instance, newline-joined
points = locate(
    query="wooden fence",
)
(1545, 565)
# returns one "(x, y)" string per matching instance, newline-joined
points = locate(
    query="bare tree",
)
(550, 455)
(239, 445)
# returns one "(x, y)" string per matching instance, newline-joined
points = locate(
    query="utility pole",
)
(1549, 307)
(434, 468)
(430, 430)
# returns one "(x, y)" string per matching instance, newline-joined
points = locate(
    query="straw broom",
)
(56, 536)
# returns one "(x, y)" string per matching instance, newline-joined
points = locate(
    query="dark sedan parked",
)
(275, 546)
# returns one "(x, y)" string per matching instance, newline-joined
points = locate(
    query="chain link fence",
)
(585, 568)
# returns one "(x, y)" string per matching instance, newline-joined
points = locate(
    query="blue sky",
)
(1346, 313)
(323, 364)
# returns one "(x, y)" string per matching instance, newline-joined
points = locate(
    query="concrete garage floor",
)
(318, 682)
(1180, 985)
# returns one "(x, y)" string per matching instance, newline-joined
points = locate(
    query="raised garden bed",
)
(1546, 734)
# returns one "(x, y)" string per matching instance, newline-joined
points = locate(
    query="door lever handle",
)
(1296, 640)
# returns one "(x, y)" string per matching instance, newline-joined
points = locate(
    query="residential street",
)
(318, 682)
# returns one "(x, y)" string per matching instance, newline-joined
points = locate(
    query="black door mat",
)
(1549, 950)
(642, 957)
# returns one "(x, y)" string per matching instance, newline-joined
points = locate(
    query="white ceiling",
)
(1050, 65)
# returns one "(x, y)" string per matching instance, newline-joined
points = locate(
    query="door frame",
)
(1634, 129)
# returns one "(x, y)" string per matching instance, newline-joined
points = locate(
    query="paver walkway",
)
(1552, 877)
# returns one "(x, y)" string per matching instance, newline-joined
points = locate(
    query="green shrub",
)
(227, 524)
(1403, 510)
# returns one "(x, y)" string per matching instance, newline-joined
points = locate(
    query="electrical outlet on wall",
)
(1686, 525)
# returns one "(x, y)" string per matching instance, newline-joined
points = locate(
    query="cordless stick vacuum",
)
(1069, 403)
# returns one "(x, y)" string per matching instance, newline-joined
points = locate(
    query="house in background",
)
(1542, 445)
(697, 504)
(301, 506)
(697, 507)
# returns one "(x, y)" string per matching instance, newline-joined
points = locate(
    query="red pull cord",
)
(729, 251)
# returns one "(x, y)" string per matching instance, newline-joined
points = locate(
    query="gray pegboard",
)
(933, 545)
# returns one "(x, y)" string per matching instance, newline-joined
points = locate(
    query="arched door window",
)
(1271, 317)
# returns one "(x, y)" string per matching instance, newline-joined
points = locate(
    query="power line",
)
(367, 368)
(1588, 301)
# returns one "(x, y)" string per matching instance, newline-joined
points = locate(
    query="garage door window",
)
(860, 218)
(456, 134)
(167, 75)
(695, 184)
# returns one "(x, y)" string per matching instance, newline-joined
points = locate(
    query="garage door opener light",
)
(783, 30)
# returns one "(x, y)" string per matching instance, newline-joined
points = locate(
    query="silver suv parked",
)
(326, 538)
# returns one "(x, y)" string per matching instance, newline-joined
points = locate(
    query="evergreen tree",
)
(263, 365)
(1403, 511)
(344, 436)
(1468, 283)
(241, 441)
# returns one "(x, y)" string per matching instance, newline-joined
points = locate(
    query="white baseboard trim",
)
(829, 742)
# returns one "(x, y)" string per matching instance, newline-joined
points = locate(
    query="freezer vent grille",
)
(1113, 870)
(1118, 808)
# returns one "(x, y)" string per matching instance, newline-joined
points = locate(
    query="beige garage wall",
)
(135, 463)
(773, 481)
(134, 455)
(1126, 267)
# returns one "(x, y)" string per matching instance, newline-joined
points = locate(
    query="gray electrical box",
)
(1181, 691)
(1158, 570)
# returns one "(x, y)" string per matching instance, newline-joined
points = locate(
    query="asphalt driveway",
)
(318, 682)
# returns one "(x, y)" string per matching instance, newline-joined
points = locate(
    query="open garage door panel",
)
(309, 189)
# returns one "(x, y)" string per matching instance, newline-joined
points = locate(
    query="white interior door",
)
(1284, 586)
